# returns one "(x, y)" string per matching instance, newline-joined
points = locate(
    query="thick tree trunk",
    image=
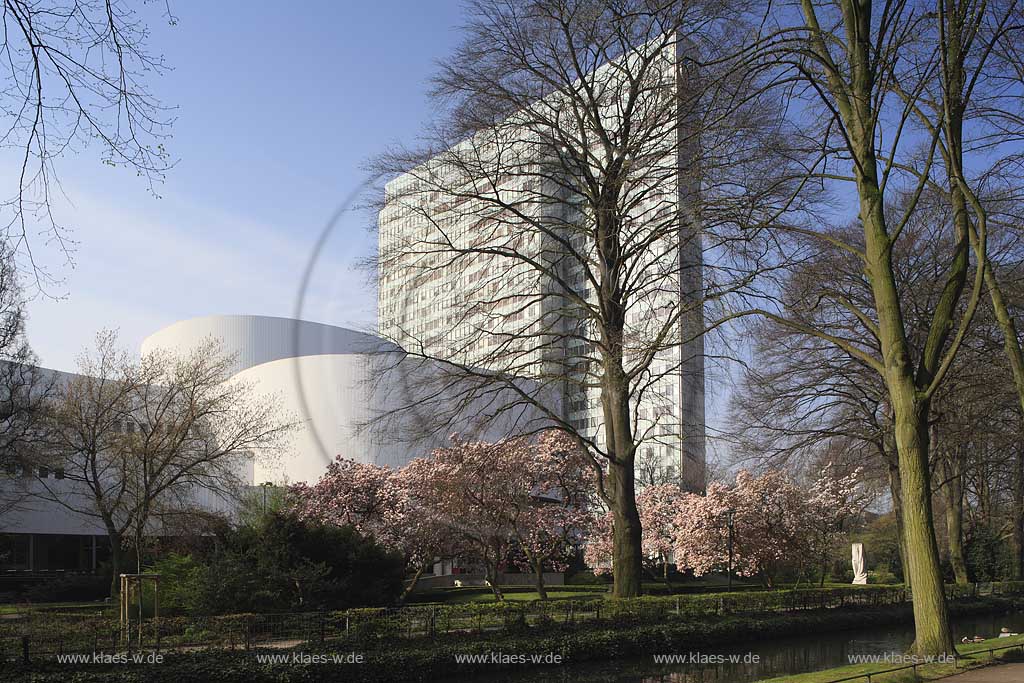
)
(627, 550)
(627, 564)
(955, 530)
(1017, 519)
(910, 412)
(931, 615)
(116, 563)
(538, 576)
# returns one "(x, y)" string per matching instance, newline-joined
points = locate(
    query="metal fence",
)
(33, 634)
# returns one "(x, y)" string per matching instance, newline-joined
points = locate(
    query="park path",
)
(1003, 673)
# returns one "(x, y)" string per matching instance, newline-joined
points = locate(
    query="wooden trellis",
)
(132, 584)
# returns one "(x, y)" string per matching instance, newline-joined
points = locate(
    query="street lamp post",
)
(730, 515)
(265, 485)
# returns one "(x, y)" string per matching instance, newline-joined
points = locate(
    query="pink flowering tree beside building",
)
(597, 552)
(551, 486)
(351, 493)
(377, 502)
(517, 494)
(658, 506)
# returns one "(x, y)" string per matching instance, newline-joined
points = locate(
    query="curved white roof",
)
(258, 339)
(348, 391)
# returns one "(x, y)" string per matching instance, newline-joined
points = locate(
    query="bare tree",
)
(74, 73)
(861, 76)
(545, 240)
(143, 441)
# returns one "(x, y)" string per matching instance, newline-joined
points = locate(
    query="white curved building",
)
(351, 393)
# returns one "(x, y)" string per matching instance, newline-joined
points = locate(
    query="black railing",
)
(913, 666)
(48, 633)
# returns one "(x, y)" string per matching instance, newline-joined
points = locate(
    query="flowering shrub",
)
(776, 522)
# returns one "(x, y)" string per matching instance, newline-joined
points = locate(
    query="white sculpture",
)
(860, 577)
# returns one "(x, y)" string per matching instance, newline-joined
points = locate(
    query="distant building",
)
(440, 294)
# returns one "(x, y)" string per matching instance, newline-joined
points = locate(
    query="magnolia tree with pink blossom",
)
(658, 506)
(523, 494)
(777, 523)
(351, 493)
(551, 510)
(832, 500)
(377, 502)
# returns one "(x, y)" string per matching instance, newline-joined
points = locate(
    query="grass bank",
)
(972, 656)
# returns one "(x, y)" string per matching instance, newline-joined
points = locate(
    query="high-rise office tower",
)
(489, 258)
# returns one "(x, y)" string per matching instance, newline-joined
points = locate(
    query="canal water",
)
(752, 661)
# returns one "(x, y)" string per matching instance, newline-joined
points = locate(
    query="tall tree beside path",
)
(878, 87)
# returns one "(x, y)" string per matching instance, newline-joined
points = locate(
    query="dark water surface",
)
(774, 656)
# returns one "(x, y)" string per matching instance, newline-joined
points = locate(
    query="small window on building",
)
(44, 472)
(58, 473)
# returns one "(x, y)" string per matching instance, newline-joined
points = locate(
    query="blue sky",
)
(279, 105)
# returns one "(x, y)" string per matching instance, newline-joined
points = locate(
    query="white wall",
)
(376, 409)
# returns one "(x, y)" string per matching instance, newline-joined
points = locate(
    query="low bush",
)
(70, 589)
(586, 577)
(282, 564)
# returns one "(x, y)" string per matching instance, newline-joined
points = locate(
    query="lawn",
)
(972, 656)
(479, 594)
(482, 594)
(78, 607)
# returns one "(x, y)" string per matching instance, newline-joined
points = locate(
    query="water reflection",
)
(753, 661)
